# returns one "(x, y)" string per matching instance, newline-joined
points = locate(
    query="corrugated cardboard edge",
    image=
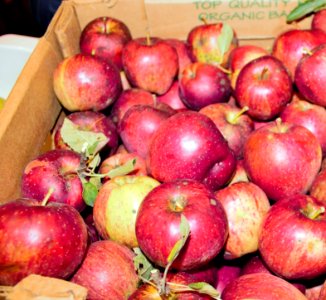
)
(30, 113)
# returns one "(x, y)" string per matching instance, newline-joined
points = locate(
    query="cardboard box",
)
(32, 108)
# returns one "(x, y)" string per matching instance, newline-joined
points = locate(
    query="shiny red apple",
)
(105, 37)
(48, 239)
(158, 224)
(188, 145)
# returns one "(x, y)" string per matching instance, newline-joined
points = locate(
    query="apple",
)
(128, 98)
(309, 76)
(211, 43)
(318, 187)
(150, 291)
(119, 159)
(116, 206)
(261, 286)
(93, 234)
(158, 224)
(240, 174)
(292, 238)
(226, 272)
(309, 115)
(234, 124)
(48, 239)
(107, 271)
(188, 145)
(84, 82)
(282, 159)
(240, 56)
(150, 63)
(246, 205)
(290, 45)
(182, 50)
(201, 84)
(172, 97)
(105, 37)
(58, 170)
(91, 121)
(254, 264)
(264, 86)
(139, 124)
(319, 20)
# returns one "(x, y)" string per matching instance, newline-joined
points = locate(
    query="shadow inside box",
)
(16, 17)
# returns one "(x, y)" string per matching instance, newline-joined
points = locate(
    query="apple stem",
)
(233, 118)
(306, 51)
(278, 122)
(313, 211)
(264, 74)
(178, 203)
(47, 196)
(203, 19)
(148, 39)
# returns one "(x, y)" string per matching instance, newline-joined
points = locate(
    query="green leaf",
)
(205, 288)
(122, 170)
(224, 40)
(142, 265)
(305, 8)
(94, 162)
(184, 232)
(82, 141)
(90, 192)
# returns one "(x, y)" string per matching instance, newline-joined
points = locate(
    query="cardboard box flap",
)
(30, 112)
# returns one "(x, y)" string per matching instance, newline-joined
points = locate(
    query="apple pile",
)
(182, 169)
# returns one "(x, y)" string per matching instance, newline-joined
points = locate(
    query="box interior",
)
(32, 109)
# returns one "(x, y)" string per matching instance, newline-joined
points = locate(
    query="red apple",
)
(310, 77)
(202, 84)
(282, 158)
(240, 174)
(105, 37)
(57, 170)
(289, 46)
(182, 50)
(319, 20)
(264, 86)
(45, 239)
(318, 187)
(188, 145)
(232, 122)
(172, 97)
(139, 124)
(293, 238)
(128, 98)
(116, 207)
(255, 264)
(107, 271)
(309, 115)
(240, 56)
(158, 224)
(150, 64)
(246, 205)
(261, 286)
(226, 272)
(84, 82)
(212, 43)
(174, 280)
(91, 121)
(119, 159)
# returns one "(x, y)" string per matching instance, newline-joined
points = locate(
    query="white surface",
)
(14, 53)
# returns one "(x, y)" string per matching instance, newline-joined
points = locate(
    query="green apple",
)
(116, 207)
